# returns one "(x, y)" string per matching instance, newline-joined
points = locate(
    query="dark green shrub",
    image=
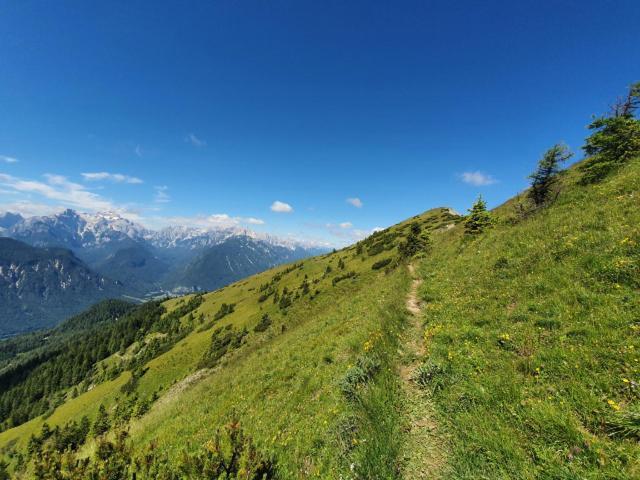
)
(375, 249)
(224, 310)
(381, 264)
(222, 341)
(263, 324)
(340, 278)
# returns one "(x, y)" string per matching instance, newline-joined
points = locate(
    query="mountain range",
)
(114, 256)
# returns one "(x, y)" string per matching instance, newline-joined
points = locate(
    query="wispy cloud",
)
(59, 189)
(53, 193)
(195, 141)
(477, 179)
(216, 220)
(349, 234)
(281, 207)
(30, 209)
(138, 151)
(346, 232)
(355, 201)
(110, 177)
(161, 195)
(7, 159)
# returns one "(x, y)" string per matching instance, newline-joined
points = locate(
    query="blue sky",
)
(207, 113)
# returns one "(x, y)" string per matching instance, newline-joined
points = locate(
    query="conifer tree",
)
(414, 243)
(615, 138)
(84, 427)
(546, 174)
(478, 219)
(45, 431)
(101, 424)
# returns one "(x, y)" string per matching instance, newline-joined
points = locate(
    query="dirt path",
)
(413, 304)
(423, 453)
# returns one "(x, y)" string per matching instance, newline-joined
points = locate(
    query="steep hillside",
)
(235, 258)
(285, 347)
(511, 354)
(40, 286)
(136, 267)
(532, 337)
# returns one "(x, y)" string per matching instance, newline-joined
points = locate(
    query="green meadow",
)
(522, 359)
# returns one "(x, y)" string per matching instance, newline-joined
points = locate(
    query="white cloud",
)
(281, 207)
(161, 195)
(59, 189)
(355, 201)
(477, 179)
(346, 232)
(138, 151)
(30, 209)
(111, 177)
(6, 159)
(55, 193)
(195, 141)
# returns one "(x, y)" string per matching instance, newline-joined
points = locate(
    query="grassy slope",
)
(532, 329)
(534, 332)
(282, 384)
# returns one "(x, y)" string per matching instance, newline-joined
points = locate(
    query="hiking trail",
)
(423, 455)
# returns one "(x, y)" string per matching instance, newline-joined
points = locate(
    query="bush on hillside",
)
(342, 277)
(222, 341)
(230, 454)
(381, 264)
(224, 310)
(263, 324)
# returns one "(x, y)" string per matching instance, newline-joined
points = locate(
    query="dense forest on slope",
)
(512, 353)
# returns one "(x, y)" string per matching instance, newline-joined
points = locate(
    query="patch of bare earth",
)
(423, 455)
